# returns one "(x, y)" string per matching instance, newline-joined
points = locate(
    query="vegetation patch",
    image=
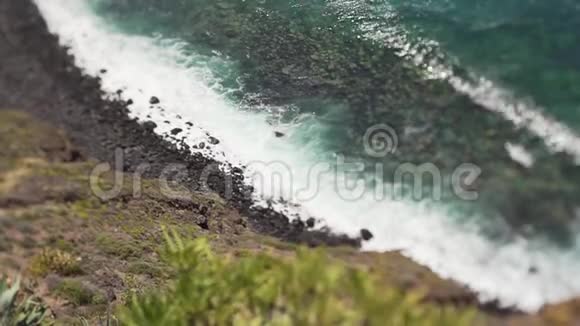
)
(264, 290)
(15, 309)
(145, 268)
(117, 247)
(78, 293)
(54, 261)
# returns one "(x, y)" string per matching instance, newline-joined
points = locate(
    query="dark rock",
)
(203, 211)
(213, 140)
(298, 224)
(154, 100)
(149, 125)
(240, 221)
(75, 155)
(130, 102)
(311, 222)
(103, 71)
(366, 235)
(176, 131)
(279, 134)
(533, 270)
(201, 145)
(204, 224)
(111, 296)
(189, 124)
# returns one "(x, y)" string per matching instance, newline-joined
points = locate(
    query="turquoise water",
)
(531, 47)
(357, 64)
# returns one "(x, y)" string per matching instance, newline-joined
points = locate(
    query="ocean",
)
(450, 129)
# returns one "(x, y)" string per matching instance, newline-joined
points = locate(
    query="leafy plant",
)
(264, 290)
(14, 313)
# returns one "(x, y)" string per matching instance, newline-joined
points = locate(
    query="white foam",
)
(145, 67)
(558, 137)
(519, 154)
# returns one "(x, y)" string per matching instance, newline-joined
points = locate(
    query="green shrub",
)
(117, 247)
(13, 312)
(145, 268)
(76, 292)
(54, 261)
(264, 290)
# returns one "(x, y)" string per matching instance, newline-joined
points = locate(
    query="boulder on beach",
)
(213, 140)
(149, 125)
(154, 100)
(366, 235)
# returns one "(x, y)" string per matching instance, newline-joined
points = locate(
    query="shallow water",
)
(445, 84)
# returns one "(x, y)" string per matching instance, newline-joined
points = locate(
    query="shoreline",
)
(74, 102)
(55, 90)
(102, 126)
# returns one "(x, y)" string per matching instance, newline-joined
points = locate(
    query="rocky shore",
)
(40, 77)
(55, 128)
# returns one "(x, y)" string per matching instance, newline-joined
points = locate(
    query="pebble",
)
(154, 100)
(149, 125)
(213, 141)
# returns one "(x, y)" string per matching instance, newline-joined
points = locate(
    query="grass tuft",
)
(117, 247)
(77, 293)
(54, 261)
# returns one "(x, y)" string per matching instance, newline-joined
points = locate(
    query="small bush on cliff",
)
(54, 261)
(78, 293)
(264, 290)
(117, 247)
